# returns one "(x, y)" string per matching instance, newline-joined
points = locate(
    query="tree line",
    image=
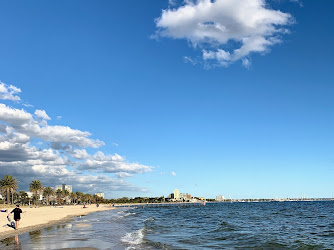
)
(9, 187)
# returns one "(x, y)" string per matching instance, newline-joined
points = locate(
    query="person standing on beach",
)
(17, 215)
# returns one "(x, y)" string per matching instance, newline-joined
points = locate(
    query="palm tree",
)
(73, 197)
(8, 183)
(95, 199)
(36, 187)
(79, 196)
(23, 196)
(48, 191)
(88, 198)
(66, 193)
(59, 194)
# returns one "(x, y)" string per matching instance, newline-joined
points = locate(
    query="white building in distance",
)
(64, 187)
(220, 198)
(176, 194)
(100, 195)
(30, 195)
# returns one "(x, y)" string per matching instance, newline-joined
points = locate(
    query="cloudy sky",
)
(136, 98)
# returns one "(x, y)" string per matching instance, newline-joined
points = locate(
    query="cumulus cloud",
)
(102, 163)
(123, 175)
(30, 149)
(8, 92)
(24, 122)
(226, 30)
(78, 153)
(22, 159)
(173, 173)
(14, 117)
(92, 184)
(42, 114)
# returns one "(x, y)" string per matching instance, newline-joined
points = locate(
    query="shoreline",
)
(43, 217)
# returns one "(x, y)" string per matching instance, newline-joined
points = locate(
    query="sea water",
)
(257, 225)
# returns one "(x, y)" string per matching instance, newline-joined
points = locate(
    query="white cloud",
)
(62, 134)
(78, 153)
(172, 2)
(92, 183)
(246, 63)
(42, 114)
(188, 59)
(8, 92)
(15, 117)
(173, 173)
(32, 149)
(298, 2)
(24, 123)
(123, 175)
(228, 30)
(100, 162)
(27, 105)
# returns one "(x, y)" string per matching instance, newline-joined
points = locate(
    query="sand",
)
(41, 217)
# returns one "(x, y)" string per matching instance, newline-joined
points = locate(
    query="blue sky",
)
(242, 111)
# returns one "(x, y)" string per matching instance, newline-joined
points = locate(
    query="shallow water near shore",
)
(258, 225)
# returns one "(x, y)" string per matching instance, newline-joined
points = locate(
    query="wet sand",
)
(37, 218)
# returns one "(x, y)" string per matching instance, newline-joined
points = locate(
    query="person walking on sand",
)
(17, 215)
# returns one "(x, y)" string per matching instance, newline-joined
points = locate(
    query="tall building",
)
(176, 194)
(64, 187)
(100, 195)
(67, 187)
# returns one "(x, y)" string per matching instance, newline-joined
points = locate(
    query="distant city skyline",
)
(134, 98)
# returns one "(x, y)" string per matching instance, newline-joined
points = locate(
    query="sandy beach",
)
(40, 217)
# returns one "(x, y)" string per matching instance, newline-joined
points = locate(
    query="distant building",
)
(176, 194)
(185, 196)
(30, 195)
(220, 198)
(64, 187)
(100, 195)
(171, 196)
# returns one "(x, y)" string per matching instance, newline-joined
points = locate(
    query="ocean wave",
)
(83, 220)
(149, 219)
(126, 215)
(134, 238)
